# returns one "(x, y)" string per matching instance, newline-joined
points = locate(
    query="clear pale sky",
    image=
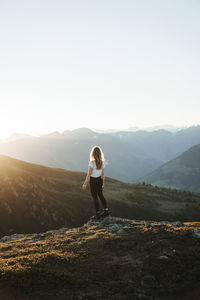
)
(98, 64)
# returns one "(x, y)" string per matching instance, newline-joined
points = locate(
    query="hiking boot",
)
(96, 216)
(105, 212)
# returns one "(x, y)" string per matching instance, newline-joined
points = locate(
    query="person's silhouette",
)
(96, 178)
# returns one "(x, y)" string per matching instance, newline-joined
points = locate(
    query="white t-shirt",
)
(95, 172)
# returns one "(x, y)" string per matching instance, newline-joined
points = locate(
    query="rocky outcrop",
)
(110, 258)
(110, 224)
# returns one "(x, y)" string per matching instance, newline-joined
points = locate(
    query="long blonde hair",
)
(97, 154)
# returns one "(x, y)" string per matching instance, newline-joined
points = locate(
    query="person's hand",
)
(84, 186)
(102, 186)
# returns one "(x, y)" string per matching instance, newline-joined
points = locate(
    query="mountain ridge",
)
(136, 153)
(182, 172)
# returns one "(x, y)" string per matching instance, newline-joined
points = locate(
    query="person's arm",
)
(87, 178)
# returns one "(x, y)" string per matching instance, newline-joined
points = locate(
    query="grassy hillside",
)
(34, 198)
(111, 259)
(183, 172)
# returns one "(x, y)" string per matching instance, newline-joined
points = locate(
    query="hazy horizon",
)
(98, 64)
(169, 127)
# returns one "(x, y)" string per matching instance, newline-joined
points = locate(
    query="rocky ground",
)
(111, 258)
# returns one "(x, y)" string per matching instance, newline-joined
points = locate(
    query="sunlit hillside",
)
(34, 198)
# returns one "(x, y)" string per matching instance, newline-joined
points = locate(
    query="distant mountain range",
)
(182, 172)
(35, 198)
(168, 127)
(130, 154)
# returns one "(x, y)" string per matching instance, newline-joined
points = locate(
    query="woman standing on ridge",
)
(95, 177)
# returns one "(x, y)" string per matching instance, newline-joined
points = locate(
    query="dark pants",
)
(96, 189)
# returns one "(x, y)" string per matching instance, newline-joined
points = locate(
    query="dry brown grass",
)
(145, 261)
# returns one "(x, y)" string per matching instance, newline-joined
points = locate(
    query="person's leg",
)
(100, 193)
(93, 190)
